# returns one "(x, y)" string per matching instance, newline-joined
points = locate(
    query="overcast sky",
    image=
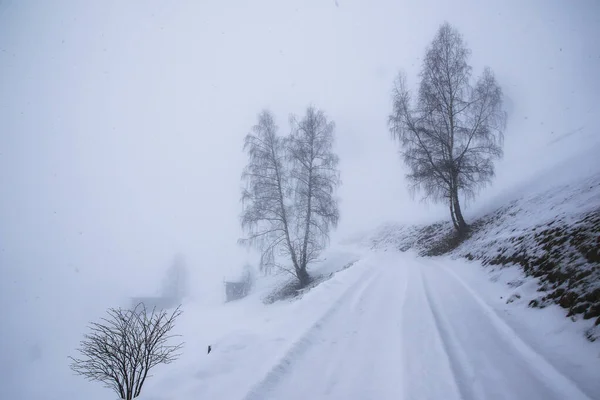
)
(121, 128)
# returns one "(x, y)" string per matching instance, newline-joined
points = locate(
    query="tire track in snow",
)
(464, 376)
(427, 365)
(352, 294)
(519, 344)
(358, 296)
(360, 315)
(480, 331)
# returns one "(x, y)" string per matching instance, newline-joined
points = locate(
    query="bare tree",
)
(266, 213)
(453, 132)
(316, 177)
(125, 346)
(289, 204)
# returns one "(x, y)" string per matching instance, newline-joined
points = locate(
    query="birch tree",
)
(289, 204)
(316, 177)
(452, 132)
(266, 211)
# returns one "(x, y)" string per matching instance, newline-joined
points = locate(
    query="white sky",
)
(121, 128)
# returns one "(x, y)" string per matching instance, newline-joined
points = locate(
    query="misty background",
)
(121, 130)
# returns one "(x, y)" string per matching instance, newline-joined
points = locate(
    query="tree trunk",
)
(462, 225)
(304, 260)
(283, 212)
(303, 276)
(451, 203)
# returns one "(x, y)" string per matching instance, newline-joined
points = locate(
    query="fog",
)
(121, 128)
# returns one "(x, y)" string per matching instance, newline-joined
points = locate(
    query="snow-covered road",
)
(410, 328)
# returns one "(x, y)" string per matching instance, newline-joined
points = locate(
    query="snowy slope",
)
(548, 227)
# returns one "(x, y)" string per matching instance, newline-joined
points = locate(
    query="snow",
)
(392, 326)
(567, 187)
(558, 339)
(547, 226)
(248, 337)
(384, 324)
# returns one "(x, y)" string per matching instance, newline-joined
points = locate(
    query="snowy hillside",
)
(551, 234)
